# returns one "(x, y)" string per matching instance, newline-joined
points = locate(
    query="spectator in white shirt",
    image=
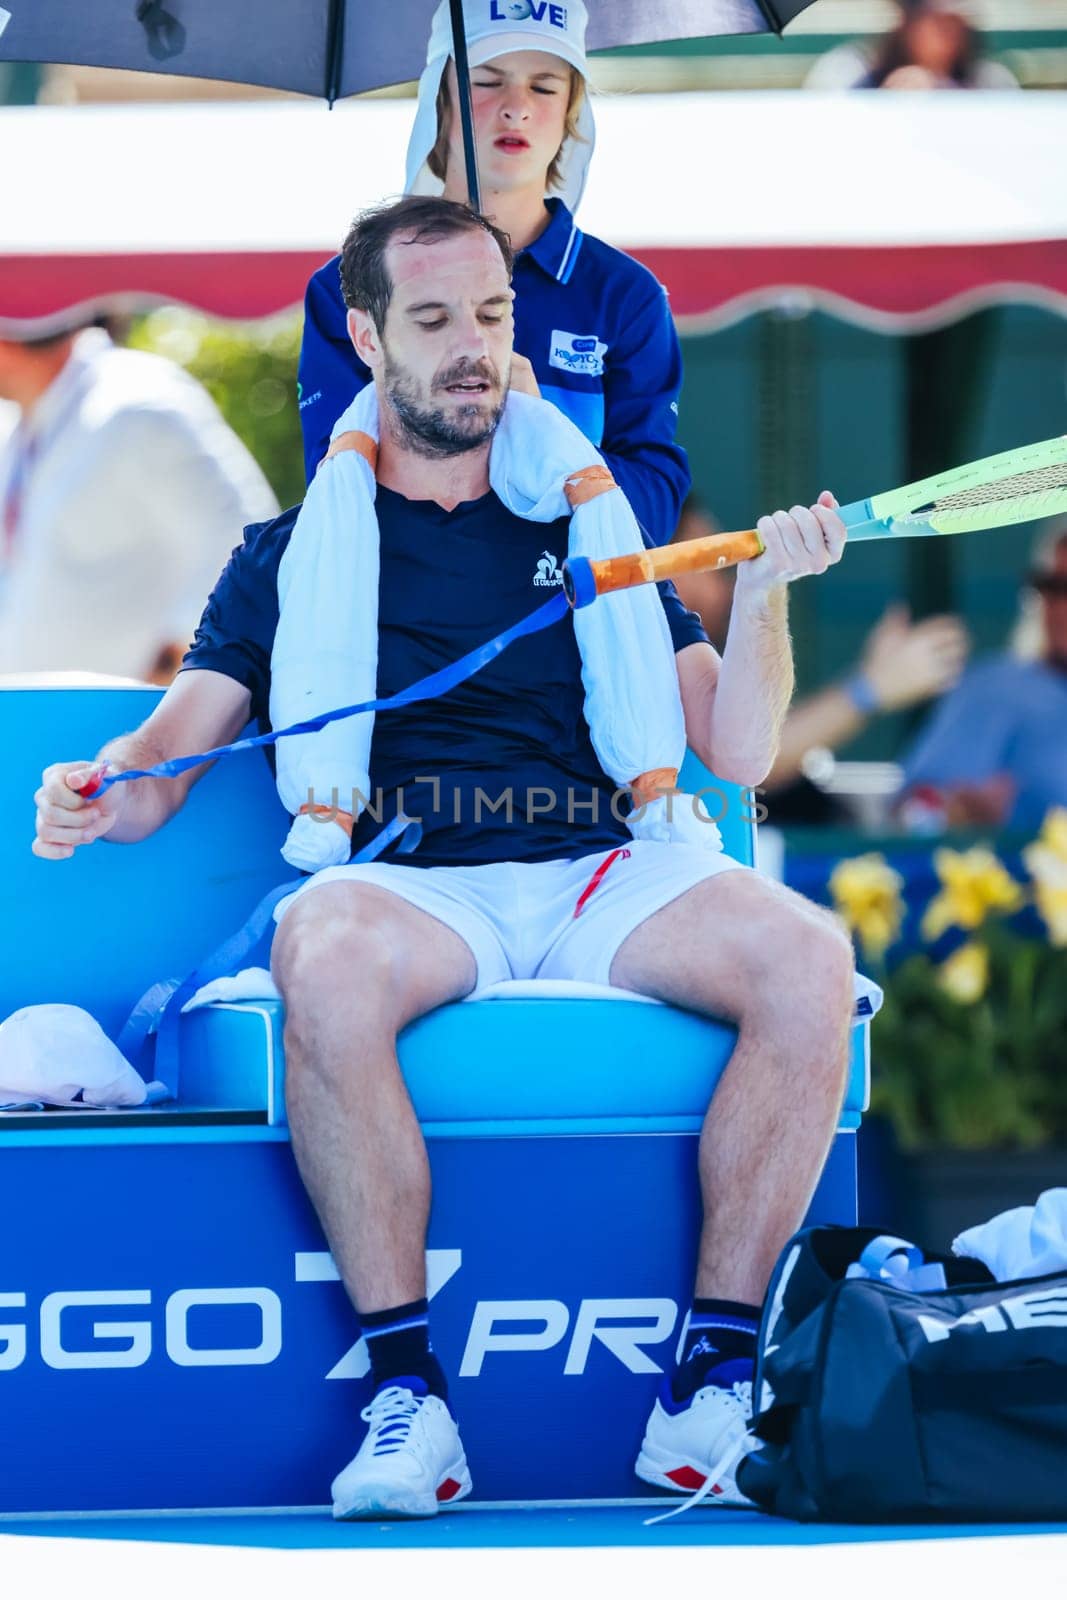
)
(122, 492)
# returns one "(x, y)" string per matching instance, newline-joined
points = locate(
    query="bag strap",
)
(880, 1258)
(887, 1259)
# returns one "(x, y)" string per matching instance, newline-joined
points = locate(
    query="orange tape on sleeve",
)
(650, 785)
(343, 819)
(587, 484)
(362, 443)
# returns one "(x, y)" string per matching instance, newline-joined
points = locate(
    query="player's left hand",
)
(797, 544)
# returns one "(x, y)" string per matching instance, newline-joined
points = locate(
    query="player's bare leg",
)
(749, 951)
(355, 964)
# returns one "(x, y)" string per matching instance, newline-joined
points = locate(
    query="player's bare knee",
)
(772, 956)
(326, 950)
(799, 968)
(823, 998)
(838, 961)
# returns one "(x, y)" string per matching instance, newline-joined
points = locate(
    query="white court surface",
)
(50, 1567)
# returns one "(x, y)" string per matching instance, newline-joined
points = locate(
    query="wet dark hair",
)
(365, 281)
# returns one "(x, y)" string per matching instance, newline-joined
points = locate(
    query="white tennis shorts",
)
(542, 919)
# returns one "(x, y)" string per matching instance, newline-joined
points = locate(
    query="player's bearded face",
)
(456, 409)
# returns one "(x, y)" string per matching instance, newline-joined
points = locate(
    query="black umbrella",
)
(328, 48)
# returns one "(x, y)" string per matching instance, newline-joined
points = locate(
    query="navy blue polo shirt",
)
(500, 769)
(596, 326)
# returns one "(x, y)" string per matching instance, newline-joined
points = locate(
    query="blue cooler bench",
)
(172, 1331)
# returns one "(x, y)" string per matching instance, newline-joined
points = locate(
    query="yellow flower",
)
(1049, 871)
(1054, 832)
(974, 883)
(965, 975)
(866, 893)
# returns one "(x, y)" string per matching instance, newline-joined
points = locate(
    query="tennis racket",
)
(1016, 486)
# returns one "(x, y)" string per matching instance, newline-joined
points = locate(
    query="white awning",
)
(728, 197)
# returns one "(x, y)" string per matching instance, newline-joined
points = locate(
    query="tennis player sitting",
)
(526, 868)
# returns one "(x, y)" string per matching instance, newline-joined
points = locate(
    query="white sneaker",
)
(411, 1462)
(685, 1442)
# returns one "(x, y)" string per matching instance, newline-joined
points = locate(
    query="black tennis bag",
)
(879, 1403)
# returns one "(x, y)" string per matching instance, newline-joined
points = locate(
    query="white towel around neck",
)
(325, 650)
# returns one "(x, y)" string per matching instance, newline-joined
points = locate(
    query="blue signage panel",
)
(173, 1333)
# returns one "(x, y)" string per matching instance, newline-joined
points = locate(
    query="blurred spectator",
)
(709, 594)
(995, 751)
(934, 46)
(902, 664)
(122, 492)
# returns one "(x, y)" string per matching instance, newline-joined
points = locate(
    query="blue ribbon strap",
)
(159, 1009)
(897, 1261)
(428, 688)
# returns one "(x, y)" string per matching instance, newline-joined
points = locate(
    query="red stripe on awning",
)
(892, 281)
(250, 284)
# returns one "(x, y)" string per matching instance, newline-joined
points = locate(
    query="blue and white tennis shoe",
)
(411, 1462)
(703, 1436)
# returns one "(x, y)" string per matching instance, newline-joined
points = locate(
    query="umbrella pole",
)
(773, 24)
(335, 51)
(463, 84)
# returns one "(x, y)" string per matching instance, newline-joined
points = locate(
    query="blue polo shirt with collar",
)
(597, 329)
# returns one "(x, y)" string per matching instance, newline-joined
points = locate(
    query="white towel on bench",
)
(256, 983)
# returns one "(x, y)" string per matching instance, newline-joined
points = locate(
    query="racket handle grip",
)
(584, 580)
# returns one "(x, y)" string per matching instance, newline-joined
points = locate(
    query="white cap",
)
(497, 28)
(60, 1055)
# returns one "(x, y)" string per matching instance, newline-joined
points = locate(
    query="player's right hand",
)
(65, 819)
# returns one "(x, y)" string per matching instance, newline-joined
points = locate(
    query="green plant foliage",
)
(971, 1076)
(249, 369)
(969, 1052)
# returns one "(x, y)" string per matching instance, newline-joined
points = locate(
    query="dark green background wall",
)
(779, 406)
